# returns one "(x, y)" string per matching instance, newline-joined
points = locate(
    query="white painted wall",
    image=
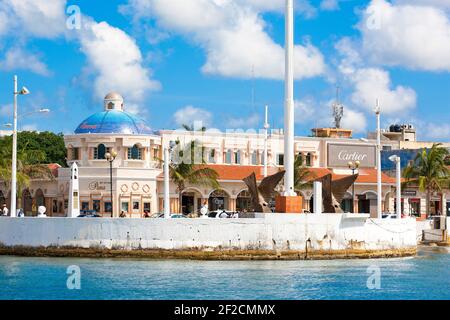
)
(271, 231)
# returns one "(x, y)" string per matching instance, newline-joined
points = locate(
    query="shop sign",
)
(409, 193)
(339, 155)
(98, 185)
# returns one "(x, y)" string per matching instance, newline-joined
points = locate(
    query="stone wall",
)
(266, 232)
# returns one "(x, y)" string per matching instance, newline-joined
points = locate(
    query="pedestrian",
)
(5, 210)
(122, 214)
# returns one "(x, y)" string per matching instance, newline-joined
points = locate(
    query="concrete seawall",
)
(288, 234)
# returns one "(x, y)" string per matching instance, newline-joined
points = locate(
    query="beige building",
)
(137, 177)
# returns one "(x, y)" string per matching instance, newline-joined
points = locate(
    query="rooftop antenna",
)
(338, 110)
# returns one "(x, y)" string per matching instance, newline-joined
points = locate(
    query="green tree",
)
(184, 170)
(28, 165)
(429, 172)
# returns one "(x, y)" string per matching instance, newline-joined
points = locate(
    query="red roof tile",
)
(239, 172)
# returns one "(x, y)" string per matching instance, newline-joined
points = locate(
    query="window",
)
(228, 157)
(135, 153)
(110, 106)
(155, 154)
(135, 205)
(147, 206)
(108, 206)
(212, 156)
(300, 156)
(255, 158)
(85, 205)
(100, 151)
(308, 159)
(280, 159)
(74, 153)
(124, 206)
(237, 157)
(96, 205)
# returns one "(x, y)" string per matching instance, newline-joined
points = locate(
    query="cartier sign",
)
(339, 155)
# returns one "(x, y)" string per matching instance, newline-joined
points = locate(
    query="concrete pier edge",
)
(200, 254)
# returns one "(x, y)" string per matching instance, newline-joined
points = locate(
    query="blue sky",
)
(221, 61)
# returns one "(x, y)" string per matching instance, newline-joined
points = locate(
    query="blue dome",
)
(115, 122)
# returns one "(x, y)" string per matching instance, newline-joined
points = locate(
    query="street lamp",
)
(396, 159)
(353, 166)
(167, 152)
(379, 190)
(23, 91)
(110, 156)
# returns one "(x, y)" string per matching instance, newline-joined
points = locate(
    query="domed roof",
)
(113, 119)
(115, 122)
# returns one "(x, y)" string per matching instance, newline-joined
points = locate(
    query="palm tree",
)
(429, 171)
(185, 171)
(302, 176)
(26, 171)
(191, 128)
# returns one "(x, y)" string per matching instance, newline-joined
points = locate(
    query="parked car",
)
(89, 214)
(389, 216)
(173, 216)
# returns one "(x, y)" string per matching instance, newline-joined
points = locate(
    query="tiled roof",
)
(54, 168)
(239, 172)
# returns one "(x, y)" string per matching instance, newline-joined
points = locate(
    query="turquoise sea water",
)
(426, 276)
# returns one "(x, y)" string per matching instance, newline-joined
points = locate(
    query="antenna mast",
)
(338, 110)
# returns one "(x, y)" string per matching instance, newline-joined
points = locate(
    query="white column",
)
(318, 201)
(13, 210)
(266, 128)
(166, 184)
(73, 209)
(399, 188)
(289, 102)
(379, 189)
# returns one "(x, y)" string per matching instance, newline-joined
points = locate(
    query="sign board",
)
(409, 193)
(339, 155)
(98, 185)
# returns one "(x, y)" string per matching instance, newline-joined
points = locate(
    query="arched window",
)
(100, 151)
(135, 153)
(254, 158)
(110, 106)
(308, 159)
(228, 157)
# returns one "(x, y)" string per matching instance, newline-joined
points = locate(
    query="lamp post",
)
(23, 91)
(110, 157)
(353, 166)
(398, 210)
(266, 129)
(167, 152)
(379, 191)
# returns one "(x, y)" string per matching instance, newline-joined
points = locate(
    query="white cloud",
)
(17, 58)
(38, 18)
(190, 114)
(412, 36)
(117, 62)
(371, 84)
(354, 120)
(329, 5)
(233, 36)
(434, 3)
(252, 121)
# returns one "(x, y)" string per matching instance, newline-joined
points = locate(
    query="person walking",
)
(5, 210)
